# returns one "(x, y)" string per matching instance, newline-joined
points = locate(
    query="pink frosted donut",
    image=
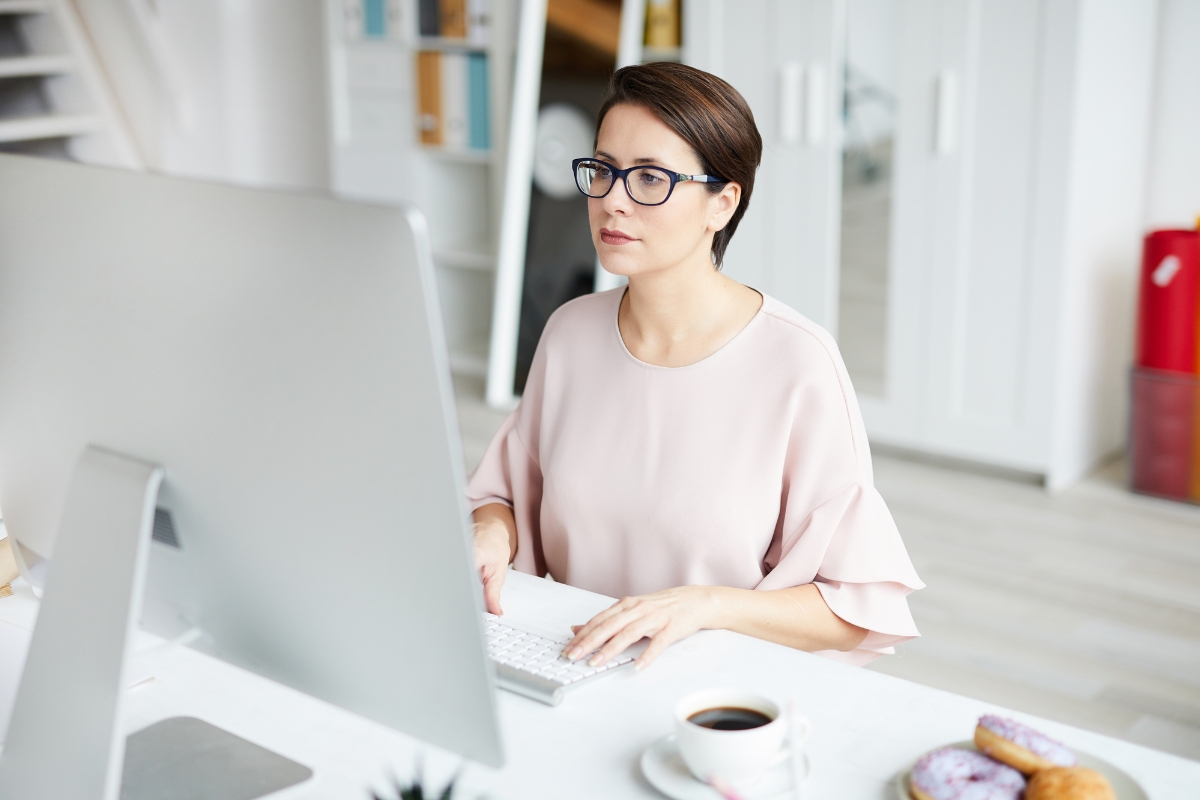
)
(956, 774)
(1020, 746)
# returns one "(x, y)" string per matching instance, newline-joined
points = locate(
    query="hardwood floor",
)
(1083, 607)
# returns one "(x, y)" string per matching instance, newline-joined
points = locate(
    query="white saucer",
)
(664, 769)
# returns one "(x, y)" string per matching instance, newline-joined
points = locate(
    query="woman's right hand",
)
(495, 545)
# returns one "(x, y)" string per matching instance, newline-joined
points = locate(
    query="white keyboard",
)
(530, 662)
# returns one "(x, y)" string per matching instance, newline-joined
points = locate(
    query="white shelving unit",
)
(377, 154)
(58, 88)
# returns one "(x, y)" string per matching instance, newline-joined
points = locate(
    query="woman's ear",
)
(723, 205)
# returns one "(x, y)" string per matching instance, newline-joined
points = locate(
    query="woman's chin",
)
(623, 266)
(622, 270)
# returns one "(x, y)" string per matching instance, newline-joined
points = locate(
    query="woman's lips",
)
(615, 237)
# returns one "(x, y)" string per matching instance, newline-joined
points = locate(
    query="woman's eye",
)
(650, 179)
(601, 172)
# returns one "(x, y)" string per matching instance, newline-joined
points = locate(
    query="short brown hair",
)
(708, 114)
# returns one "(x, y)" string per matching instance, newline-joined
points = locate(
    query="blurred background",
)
(991, 203)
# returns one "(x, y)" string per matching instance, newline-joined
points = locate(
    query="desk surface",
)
(866, 726)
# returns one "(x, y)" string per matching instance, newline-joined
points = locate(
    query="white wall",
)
(1173, 186)
(1110, 138)
(252, 73)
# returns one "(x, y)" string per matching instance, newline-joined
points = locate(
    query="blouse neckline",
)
(616, 327)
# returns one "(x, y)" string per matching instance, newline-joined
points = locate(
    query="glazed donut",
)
(1069, 783)
(956, 774)
(1020, 746)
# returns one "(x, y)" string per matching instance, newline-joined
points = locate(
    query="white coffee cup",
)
(735, 756)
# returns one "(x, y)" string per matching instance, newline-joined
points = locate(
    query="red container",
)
(1162, 434)
(1167, 301)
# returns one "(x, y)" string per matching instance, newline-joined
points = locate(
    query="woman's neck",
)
(676, 317)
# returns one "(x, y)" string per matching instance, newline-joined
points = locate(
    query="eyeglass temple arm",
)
(702, 178)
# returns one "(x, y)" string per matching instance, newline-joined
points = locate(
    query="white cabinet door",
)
(981, 400)
(962, 357)
(784, 57)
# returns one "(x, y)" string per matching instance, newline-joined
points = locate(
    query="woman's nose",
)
(618, 201)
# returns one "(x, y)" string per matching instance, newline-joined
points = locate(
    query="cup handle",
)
(801, 728)
(786, 752)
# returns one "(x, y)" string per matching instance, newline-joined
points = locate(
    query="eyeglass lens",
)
(647, 185)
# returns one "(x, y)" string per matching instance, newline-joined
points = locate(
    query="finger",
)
(595, 639)
(493, 583)
(635, 632)
(659, 642)
(591, 625)
(600, 618)
(595, 633)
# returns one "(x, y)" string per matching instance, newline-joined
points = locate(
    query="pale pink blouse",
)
(749, 469)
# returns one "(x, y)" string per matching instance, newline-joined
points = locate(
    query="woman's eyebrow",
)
(643, 160)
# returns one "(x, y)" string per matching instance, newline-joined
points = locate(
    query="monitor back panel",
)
(281, 356)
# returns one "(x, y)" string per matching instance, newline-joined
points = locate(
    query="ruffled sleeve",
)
(834, 529)
(850, 549)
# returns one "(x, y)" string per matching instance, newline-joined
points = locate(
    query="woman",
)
(686, 442)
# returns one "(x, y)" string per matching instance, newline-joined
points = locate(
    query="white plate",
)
(1125, 787)
(664, 769)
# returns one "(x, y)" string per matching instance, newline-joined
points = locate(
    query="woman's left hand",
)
(665, 617)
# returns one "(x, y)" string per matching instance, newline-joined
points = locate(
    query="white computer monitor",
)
(280, 357)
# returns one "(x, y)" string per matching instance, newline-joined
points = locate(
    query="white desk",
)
(866, 726)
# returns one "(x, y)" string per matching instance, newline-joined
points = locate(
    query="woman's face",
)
(633, 239)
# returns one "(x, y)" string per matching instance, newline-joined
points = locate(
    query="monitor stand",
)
(184, 758)
(64, 738)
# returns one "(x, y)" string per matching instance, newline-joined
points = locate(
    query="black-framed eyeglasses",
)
(647, 186)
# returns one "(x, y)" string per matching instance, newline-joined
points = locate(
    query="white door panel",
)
(979, 400)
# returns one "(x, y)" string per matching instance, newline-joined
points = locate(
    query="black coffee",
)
(729, 718)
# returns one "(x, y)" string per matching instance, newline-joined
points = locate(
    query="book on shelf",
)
(662, 24)
(429, 97)
(455, 131)
(478, 22)
(452, 100)
(454, 19)
(373, 19)
(477, 102)
(428, 17)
